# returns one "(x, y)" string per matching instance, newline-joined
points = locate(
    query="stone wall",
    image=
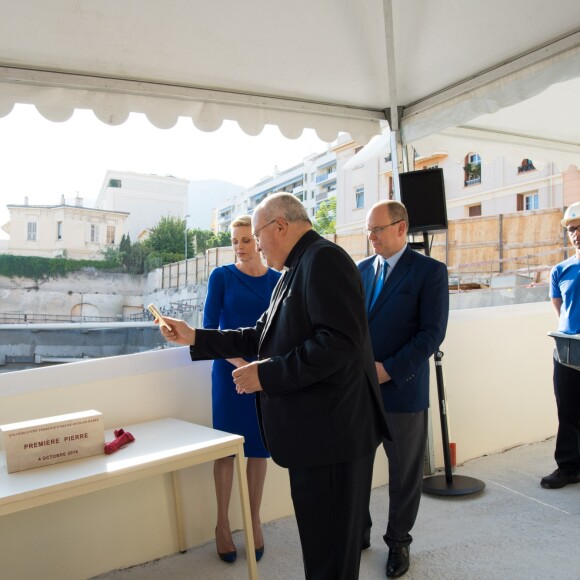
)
(87, 293)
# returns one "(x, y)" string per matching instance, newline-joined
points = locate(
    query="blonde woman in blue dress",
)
(237, 295)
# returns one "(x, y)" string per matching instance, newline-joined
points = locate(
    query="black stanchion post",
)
(448, 484)
(443, 416)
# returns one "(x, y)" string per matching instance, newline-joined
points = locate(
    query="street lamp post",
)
(185, 236)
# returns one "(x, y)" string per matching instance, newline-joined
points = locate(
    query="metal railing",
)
(42, 318)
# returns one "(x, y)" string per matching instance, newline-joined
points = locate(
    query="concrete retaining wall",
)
(98, 293)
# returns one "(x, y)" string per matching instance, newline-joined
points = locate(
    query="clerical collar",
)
(300, 247)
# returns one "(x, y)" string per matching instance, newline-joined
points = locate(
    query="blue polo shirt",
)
(565, 284)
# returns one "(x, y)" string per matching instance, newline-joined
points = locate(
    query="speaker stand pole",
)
(448, 484)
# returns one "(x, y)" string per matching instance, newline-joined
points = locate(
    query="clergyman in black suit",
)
(319, 403)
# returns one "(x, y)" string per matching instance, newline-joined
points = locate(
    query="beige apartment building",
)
(73, 231)
(479, 180)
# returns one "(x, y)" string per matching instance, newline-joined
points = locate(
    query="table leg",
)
(178, 512)
(246, 514)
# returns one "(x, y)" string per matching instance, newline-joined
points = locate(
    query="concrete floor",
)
(512, 530)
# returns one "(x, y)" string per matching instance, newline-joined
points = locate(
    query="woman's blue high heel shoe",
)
(259, 553)
(229, 557)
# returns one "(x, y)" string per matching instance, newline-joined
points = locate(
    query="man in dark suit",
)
(319, 401)
(407, 298)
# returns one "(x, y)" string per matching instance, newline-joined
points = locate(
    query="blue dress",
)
(236, 300)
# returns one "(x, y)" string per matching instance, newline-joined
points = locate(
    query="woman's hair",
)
(240, 221)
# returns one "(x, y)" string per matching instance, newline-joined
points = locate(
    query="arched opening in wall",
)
(526, 165)
(472, 169)
(84, 311)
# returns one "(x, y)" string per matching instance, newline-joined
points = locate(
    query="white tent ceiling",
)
(544, 128)
(333, 65)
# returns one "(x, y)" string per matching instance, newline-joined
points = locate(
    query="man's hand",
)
(246, 379)
(384, 376)
(180, 332)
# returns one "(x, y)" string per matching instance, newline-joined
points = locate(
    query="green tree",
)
(113, 256)
(203, 240)
(168, 238)
(125, 244)
(166, 242)
(153, 261)
(325, 218)
(134, 258)
(220, 239)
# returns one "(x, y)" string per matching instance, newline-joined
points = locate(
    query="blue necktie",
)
(379, 283)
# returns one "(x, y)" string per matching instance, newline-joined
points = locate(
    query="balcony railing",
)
(326, 176)
(42, 318)
(472, 181)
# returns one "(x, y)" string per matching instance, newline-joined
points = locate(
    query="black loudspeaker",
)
(423, 194)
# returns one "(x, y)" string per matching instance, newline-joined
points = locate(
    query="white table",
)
(162, 446)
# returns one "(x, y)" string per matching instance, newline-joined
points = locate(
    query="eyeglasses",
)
(572, 229)
(379, 229)
(256, 234)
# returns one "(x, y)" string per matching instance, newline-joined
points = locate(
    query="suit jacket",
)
(407, 325)
(321, 401)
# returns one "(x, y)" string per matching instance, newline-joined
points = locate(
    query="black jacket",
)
(321, 402)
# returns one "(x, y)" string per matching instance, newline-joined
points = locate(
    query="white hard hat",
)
(571, 214)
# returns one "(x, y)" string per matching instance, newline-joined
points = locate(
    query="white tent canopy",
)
(544, 128)
(332, 65)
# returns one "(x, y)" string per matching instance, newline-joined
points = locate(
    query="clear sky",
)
(43, 160)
